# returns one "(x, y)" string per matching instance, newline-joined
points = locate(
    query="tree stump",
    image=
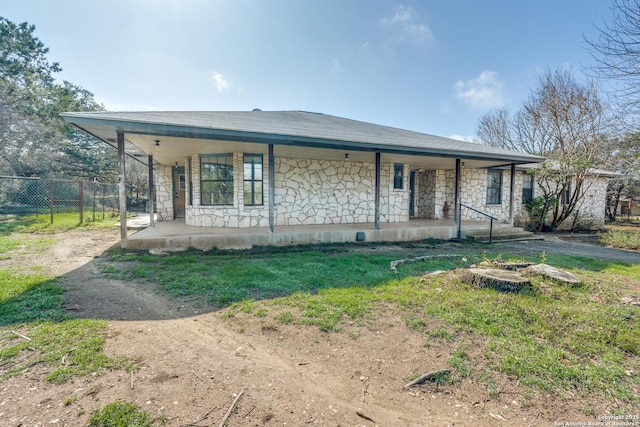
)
(500, 280)
(552, 273)
(513, 266)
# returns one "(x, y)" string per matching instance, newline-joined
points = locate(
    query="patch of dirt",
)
(193, 364)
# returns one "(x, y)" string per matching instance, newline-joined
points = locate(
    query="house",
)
(589, 212)
(286, 177)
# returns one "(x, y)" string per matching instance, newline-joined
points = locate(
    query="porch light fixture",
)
(346, 156)
(157, 143)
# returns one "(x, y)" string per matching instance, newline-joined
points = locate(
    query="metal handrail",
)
(491, 219)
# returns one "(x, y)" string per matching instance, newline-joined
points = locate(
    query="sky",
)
(432, 66)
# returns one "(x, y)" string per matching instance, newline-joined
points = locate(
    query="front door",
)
(412, 187)
(178, 192)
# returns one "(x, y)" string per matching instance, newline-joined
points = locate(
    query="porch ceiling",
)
(171, 150)
(293, 133)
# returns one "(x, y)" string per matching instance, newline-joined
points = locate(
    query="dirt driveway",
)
(193, 363)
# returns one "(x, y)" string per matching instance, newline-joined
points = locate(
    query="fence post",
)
(37, 198)
(81, 197)
(51, 199)
(94, 200)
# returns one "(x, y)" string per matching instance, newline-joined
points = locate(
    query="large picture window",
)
(494, 187)
(216, 179)
(253, 179)
(527, 188)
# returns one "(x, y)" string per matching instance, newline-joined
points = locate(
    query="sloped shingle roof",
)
(291, 127)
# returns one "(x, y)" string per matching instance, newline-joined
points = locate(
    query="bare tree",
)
(617, 52)
(562, 120)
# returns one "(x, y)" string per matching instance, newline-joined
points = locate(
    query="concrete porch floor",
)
(176, 235)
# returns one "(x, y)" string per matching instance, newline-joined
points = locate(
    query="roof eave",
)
(185, 131)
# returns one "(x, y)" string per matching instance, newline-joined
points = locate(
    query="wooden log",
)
(24, 337)
(427, 377)
(364, 416)
(230, 410)
(500, 280)
(394, 264)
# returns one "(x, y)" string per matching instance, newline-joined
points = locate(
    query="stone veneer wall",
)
(318, 192)
(590, 210)
(431, 195)
(163, 181)
(473, 192)
(315, 192)
(307, 192)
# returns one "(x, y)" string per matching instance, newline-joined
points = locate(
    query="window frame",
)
(398, 176)
(530, 197)
(565, 197)
(491, 190)
(229, 196)
(190, 180)
(252, 179)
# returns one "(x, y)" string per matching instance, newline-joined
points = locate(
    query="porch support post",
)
(152, 193)
(122, 191)
(272, 189)
(512, 188)
(457, 213)
(377, 195)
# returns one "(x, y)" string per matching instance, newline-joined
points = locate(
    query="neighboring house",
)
(270, 169)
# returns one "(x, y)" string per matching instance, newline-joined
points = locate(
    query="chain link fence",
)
(57, 198)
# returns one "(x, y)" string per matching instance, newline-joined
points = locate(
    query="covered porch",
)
(244, 179)
(176, 235)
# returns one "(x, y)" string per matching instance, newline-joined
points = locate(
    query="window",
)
(216, 179)
(494, 187)
(253, 179)
(398, 175)
(527, 188)
(565, 197)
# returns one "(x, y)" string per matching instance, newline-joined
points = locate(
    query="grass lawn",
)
(42, 223)
(553, 337)
(31, 306)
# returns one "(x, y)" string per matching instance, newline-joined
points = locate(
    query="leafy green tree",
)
(34, 140)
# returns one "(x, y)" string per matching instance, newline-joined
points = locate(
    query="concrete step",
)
(504, 234)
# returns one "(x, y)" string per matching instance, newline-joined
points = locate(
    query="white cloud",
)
(462, 138)
(485, 91)
(220, 82)
(405, 20)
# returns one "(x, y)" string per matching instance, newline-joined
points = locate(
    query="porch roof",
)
(285, 128)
